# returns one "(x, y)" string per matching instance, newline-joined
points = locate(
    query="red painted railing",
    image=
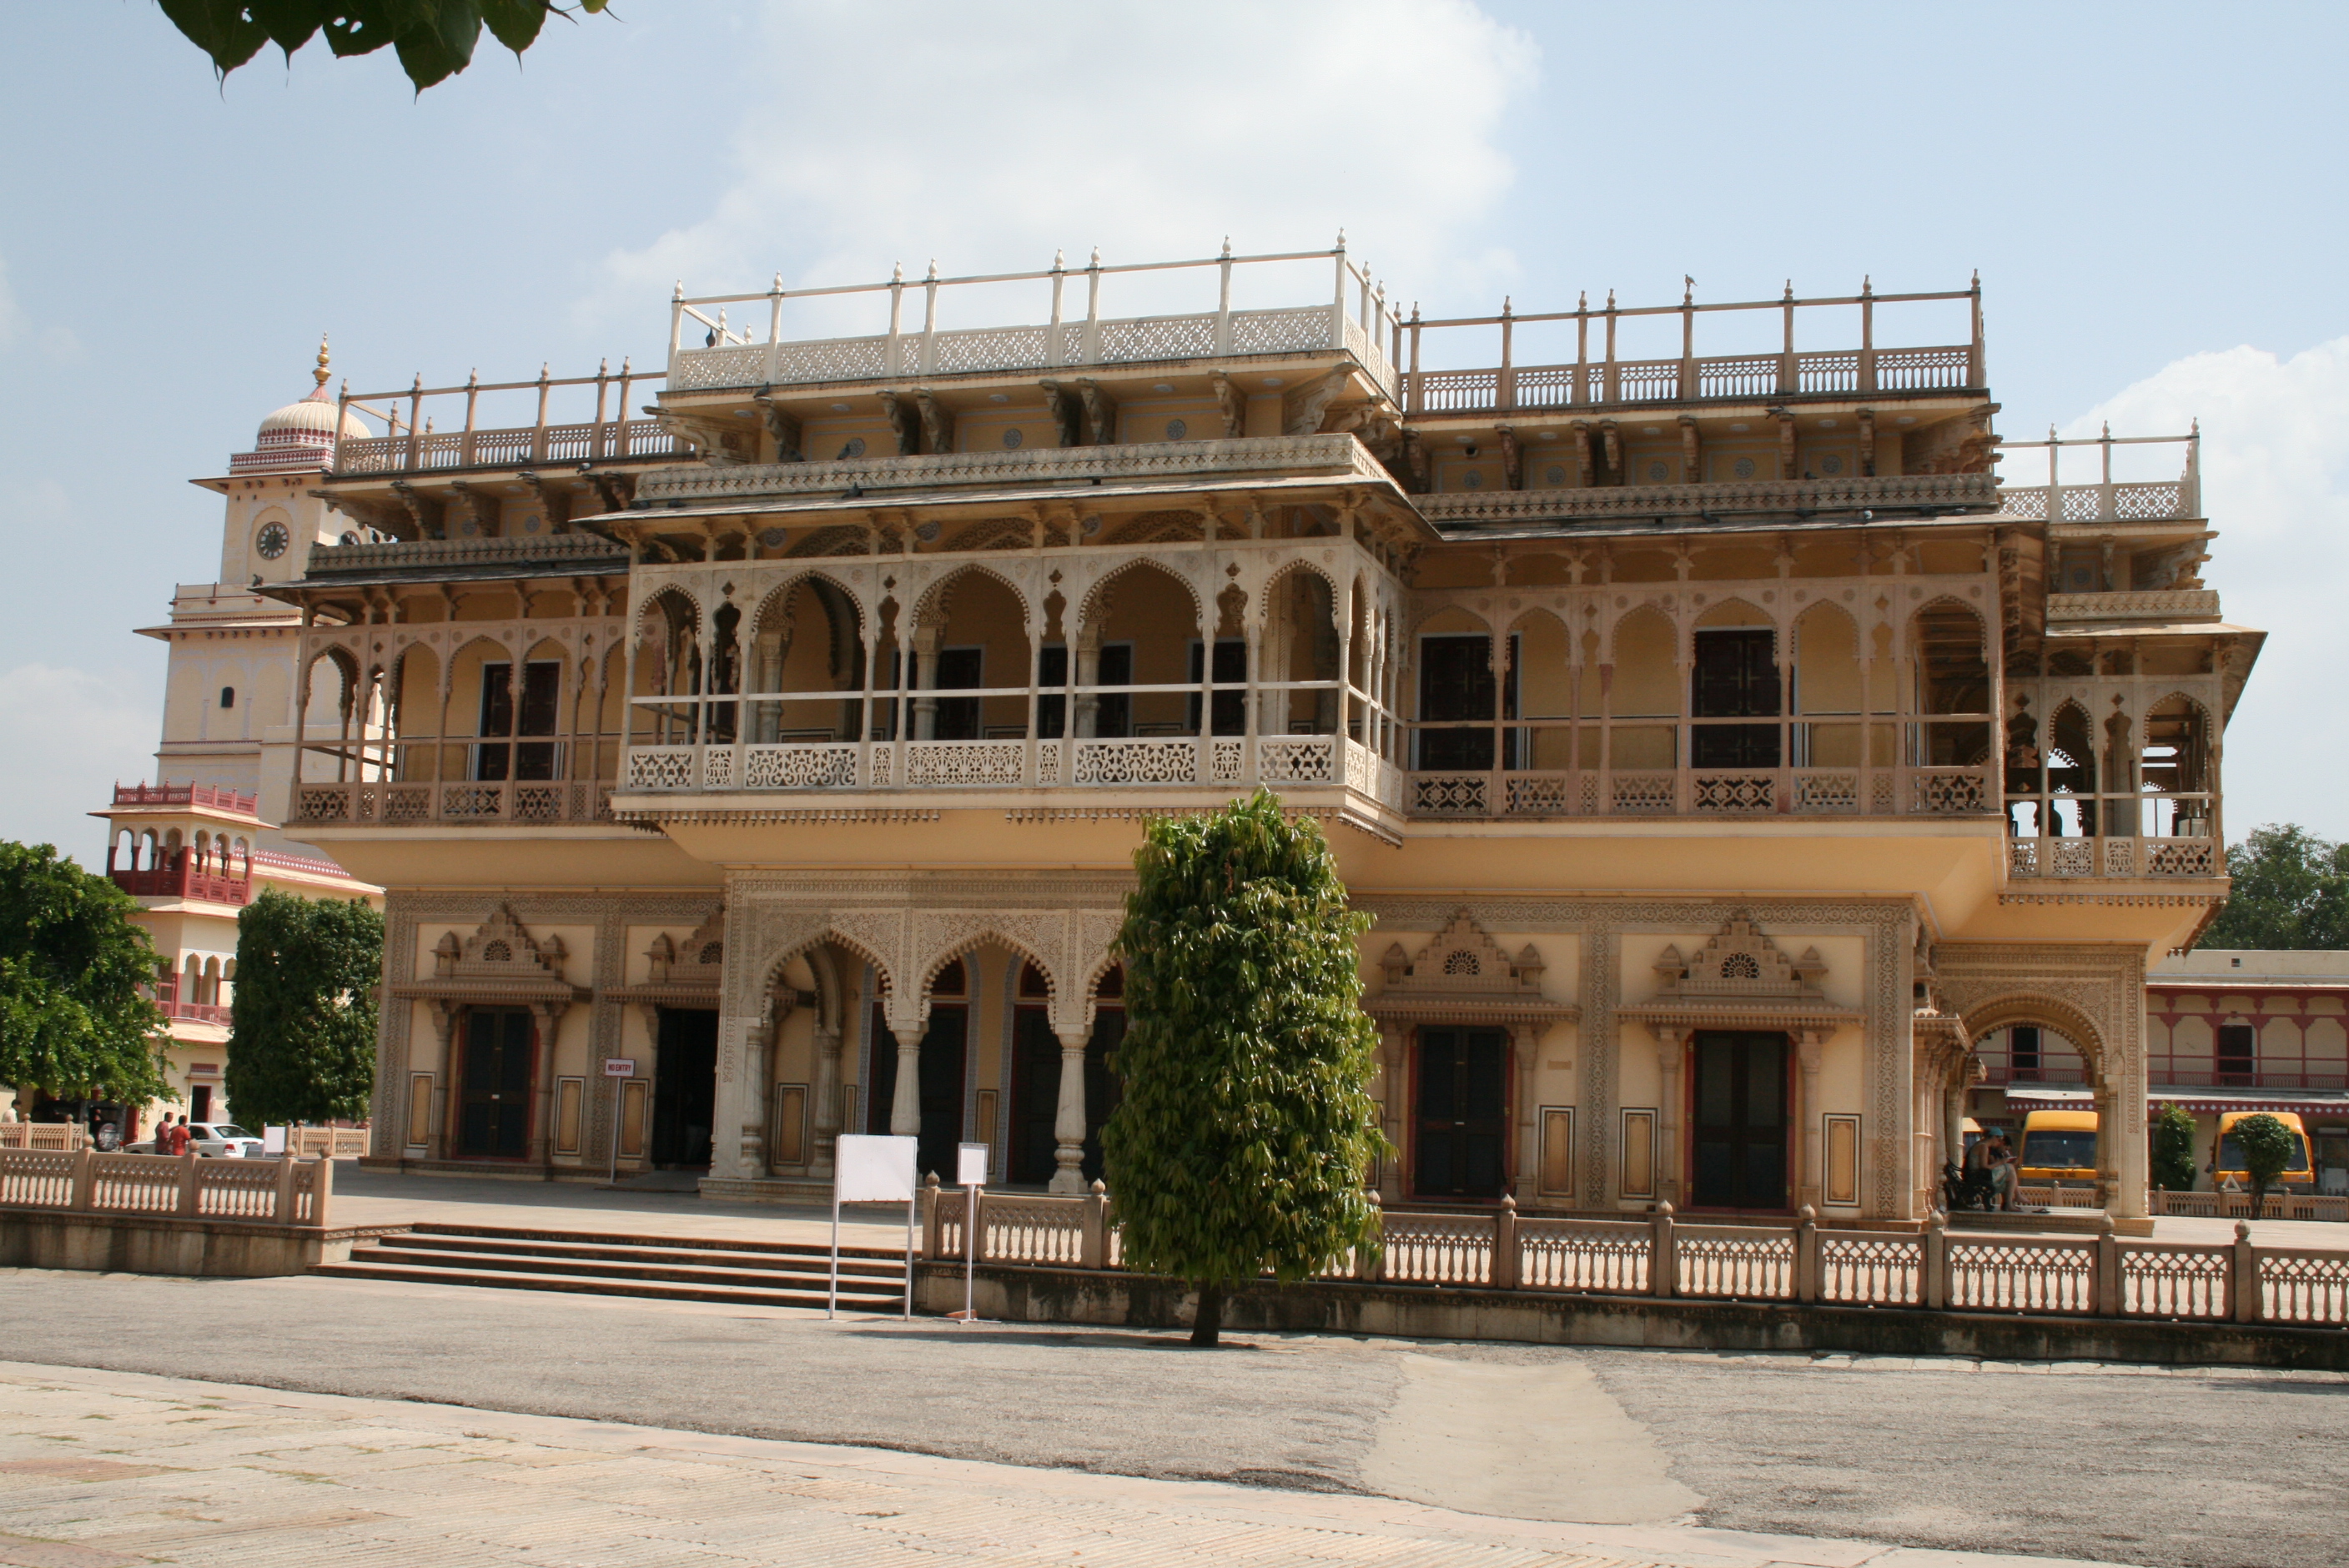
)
(207, 795)
(179, 878)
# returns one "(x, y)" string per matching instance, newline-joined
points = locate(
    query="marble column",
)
(1069, 1124)
(1810, 1045)
(826, 1091)
(1671, 1053)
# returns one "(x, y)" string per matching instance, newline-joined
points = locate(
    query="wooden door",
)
(1738, 1132)
(494, 1121)
(1460, 1147)
(1736, 677)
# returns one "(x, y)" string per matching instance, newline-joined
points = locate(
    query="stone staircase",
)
(667, 1268)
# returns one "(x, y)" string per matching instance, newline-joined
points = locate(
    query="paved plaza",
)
(1034, 1444)
(116, 1471)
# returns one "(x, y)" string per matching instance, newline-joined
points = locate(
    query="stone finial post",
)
(85, 1177)
(189, 1201)
(1505, 1246)
(322, 1196)
(927, 1205)
(1934, 1287)
(1807, 1285)
(2244, 1297)
(288, 1168)
(2107, 1275)
(1664, 1262)
(1093, 1244)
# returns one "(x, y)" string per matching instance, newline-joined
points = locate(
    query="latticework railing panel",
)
(2165, 1280)
(2303, 1285)
(1742, 1263)
(2022, 1276)
(1604, 1256)
(1437, 1248)
(1871, 1270)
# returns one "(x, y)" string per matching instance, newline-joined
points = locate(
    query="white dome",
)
(313, 416)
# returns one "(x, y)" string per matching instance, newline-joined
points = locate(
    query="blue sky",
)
(2153, 195)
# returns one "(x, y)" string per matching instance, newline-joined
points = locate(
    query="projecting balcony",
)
(1933, 494)
(1222, 763)
(182, 875)
(1353, 318)
(2168, 606)
(467, 803)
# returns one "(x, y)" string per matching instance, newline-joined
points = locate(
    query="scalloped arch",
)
(1262, 609)
(1089, 608)
(780, 593)
(935, 601)
(2037, 1007)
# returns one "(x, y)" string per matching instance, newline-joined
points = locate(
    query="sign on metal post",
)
(970, 1175)
(871, 1169)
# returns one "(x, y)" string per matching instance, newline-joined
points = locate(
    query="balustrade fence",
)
(1660, 1255)
(262, 1191)
(1357, 321)
(412, 443)
(371, 800)
(67, 1136)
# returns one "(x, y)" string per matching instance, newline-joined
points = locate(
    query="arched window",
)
(228, 696)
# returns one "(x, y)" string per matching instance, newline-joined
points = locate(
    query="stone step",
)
(856, 1265)
(397, 1252)
(596, 1285)
(638, 1239)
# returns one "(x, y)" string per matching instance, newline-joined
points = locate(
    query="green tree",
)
(1247, 1126)
(2173, 1149)
(76, 1019)
(301, 1045)
(2290, 891)
(434, 38)
(2268, 1146)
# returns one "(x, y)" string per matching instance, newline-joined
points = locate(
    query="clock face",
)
(273, 540)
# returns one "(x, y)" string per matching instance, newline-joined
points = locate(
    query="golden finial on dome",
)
(319, 374)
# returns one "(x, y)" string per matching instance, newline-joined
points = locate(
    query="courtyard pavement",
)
(1029, 1444)
(116, 1471)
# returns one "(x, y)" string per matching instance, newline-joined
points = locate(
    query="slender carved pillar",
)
(444, 1024)
(1524, 1039)
(827, 1098)
(1672, 1049)
(1069, 1125)
(1392, 1108)
(926, 684)
(906, 1108)
(1088, 666)
(1809, 1046)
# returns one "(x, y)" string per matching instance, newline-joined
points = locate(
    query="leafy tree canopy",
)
(301, 1041)
(74, 1017)
(2268, 1146)
(2290, 891)
(1247, 1126)
(434, 38)
(2173, 1149)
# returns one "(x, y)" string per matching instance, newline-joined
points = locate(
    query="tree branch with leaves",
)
(301, 1044)
(434, 38)
(77, 1017)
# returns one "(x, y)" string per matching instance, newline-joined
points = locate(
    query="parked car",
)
(212, 1140)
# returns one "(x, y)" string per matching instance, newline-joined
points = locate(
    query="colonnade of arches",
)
(977, 657)
(2084, 762)
(208, 853)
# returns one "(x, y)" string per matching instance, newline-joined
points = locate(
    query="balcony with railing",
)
(183, 875)
(1931, 495)
(480, 437)
(192, 797)
(2106, 498)
(427, 804)
(1353, 318)
(1599, 377)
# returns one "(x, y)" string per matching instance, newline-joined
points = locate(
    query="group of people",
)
(172, 1136)
(1991, 1163)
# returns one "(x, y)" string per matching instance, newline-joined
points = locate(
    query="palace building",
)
(1721, 749)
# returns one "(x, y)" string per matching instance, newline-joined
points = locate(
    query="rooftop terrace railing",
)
(2104, 500)
(1357, 320)
(411, 443)
(1606, 379)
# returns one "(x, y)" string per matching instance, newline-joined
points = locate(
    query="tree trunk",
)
(1206, 1327)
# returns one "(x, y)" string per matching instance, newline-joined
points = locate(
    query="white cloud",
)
(71, 734)
(2275, 466)
(987, 138)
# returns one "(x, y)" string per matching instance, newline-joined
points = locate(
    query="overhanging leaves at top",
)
(434, 38)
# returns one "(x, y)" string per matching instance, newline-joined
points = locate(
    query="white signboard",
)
(619, 1066)
(970, 1165)
(272, 1142)
(870, 1170)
